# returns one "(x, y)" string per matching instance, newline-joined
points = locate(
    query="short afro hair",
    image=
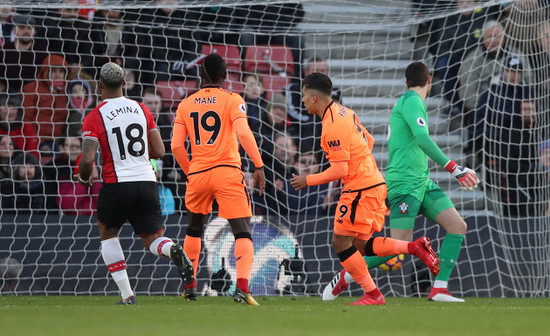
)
(213, 68)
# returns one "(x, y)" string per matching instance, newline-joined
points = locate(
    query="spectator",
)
(255, 97)
(61, 190)
(523, 17)
(6, 25)
(6, 155)
(133, 88)
(309, 131)
(305, 202)
(167, 43)
(540, 62)
(113, 40)
(45, 103)
(279, 157)
(70, 36)
(20, 60)
(24, 192)
(484, 64)
(293, 92)
(275, 121)
(459, 35)
(505, 119)
(170, 173)
(481, 64)
(22, 134)
(81, 102)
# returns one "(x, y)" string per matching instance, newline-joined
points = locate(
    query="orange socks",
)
(244, 256)
(384, 246)
(192, 247)
(355, 265)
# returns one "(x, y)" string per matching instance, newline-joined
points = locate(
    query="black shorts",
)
(136, 202)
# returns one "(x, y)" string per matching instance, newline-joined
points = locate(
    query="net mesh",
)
(488, 109)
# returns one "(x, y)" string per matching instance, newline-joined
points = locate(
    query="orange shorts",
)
(226, 184)
(361, 213)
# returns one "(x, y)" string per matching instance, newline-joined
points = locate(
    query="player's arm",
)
(336, 144)
(246, 138)
(179, 135)
(419, 127)
(156, 146)
(86, 165)
(336, 171)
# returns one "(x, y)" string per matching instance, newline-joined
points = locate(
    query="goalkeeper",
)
(410, 190)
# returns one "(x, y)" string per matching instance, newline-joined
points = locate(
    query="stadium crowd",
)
(49, 61)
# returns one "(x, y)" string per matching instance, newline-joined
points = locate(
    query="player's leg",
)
(114, 258)
(192, 246)
(234, 204)
(244, 257)
(146, 219)
(111, 215)
(421, 248)
(198, 200)
(354, 264)
(358, 215)
(403, 211)
(402, 216)
(438, 207)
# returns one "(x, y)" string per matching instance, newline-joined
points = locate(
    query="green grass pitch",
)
(165, 315)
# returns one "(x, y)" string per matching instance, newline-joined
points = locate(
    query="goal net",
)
(488, 110)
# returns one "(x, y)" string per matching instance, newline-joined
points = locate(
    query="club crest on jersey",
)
(420, 121)
(334, 145)
(242, 107)
(404, 208)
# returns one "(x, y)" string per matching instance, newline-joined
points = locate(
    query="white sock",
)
(348, 279)
(112, 254)
(161, 247)
(440, 284)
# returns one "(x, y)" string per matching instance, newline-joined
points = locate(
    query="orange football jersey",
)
(343, 138)
(208, 117)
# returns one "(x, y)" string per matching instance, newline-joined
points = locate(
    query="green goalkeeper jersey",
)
(410, 145)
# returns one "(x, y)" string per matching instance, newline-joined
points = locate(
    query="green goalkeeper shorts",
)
(427, 199)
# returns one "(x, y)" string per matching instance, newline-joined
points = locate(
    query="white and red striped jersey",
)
(122, 126)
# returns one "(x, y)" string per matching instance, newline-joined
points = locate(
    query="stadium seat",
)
(274, 59)
(230, 54)
(233, 82)
(274, 84)
(174, 91)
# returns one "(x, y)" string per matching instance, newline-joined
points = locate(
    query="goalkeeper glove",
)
(465, 176)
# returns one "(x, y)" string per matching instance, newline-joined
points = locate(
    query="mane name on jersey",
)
(205, 100)
(123, 110)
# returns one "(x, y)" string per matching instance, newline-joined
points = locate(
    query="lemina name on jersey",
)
(127, 139)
